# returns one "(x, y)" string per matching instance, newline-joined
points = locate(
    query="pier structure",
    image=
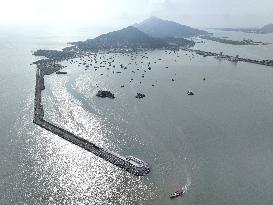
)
(131, 164)
(230, 58)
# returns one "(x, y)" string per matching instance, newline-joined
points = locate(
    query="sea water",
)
(217, 144)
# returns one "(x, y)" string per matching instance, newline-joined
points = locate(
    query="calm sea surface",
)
(218, 143)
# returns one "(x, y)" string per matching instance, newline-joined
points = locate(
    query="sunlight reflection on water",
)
(76, 174)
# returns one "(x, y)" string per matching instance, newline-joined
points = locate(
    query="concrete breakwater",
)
(130, 164)
(230, 58)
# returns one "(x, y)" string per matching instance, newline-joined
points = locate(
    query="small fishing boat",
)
(178, 192)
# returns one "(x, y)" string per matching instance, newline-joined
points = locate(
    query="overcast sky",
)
(119, 13)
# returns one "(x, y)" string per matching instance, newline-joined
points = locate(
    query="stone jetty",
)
(130, 164)
(230, 58)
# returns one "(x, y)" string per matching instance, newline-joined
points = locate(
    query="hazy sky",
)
(118, 13)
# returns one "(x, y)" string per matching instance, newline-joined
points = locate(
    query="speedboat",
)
(178, 192)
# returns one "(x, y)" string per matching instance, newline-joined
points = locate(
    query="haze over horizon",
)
(113, 14)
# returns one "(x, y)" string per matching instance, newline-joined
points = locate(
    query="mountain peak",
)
(128, 29)
(159, 28)
(129, 37)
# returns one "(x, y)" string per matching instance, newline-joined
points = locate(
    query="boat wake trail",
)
(187, 185)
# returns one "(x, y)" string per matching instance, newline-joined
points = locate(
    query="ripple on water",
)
(54, 171)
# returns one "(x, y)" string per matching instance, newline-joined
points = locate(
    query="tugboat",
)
(178, 192)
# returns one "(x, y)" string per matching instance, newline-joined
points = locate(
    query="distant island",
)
(150, 34)
(153, 33)
(233, 42)
(130, 38)
(263, 30)
(266, 29)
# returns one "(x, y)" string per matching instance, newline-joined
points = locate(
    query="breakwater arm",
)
(230, 58)
(129, 164)
(233, 42)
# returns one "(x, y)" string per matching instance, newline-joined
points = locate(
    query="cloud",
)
(117, 13)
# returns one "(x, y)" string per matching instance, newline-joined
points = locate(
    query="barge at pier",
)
(131, 164)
